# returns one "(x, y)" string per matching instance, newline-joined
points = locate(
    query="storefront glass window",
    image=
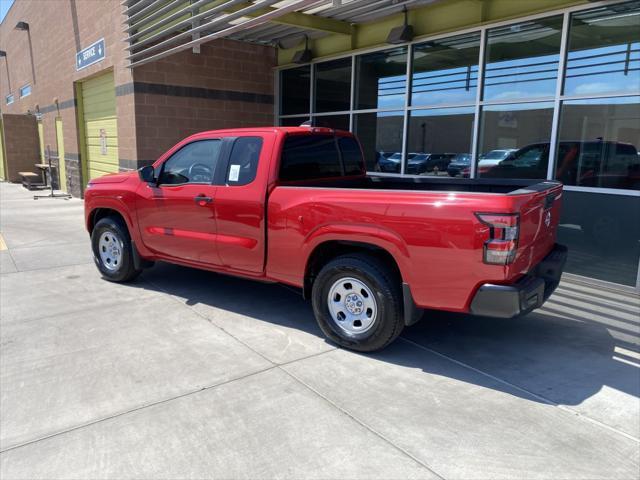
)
(591, 110)
(295, 88)
(381, 137)
(445, 71)
(293, 121)
(604, 51)
(337, 122)
(333, 86)
(599, 143)
(381, 79)
(522, 60)
(602, 236)
(515, 140)
(440, 142)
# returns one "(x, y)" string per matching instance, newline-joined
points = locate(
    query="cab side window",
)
(193, 163)
(243, 161)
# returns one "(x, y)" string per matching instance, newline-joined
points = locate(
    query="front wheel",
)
(112, 250)
(357, 302)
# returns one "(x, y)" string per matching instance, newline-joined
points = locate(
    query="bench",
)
(30, 180)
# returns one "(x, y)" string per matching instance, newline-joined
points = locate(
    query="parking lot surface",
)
(190, 374)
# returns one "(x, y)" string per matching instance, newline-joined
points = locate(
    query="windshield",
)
(528, 157)
(496, 155)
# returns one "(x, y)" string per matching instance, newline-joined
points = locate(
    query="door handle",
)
(202, 200)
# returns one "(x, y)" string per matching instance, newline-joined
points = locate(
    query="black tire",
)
(124, 270)
(384, 285)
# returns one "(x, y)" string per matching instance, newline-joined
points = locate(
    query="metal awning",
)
(159, 28)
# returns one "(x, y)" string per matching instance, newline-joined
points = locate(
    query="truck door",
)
(176, 217)
(240, 204)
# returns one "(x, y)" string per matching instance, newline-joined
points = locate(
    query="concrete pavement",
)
(190, 374)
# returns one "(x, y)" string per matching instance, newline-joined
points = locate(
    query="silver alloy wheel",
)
(110, 247)
(352, 305)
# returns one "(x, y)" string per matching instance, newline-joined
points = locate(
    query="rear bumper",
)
(529, 293)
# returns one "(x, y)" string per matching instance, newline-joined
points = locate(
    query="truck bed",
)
(429, 225)
(433, 184)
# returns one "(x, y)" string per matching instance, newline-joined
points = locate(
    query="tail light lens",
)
(504, 228)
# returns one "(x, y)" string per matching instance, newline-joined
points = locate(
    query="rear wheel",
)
(358, 303)
(112, 250)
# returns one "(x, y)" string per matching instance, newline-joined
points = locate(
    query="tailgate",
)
(539, 206)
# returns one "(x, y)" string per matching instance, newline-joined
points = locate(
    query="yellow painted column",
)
(41, 139)
(62, 171)
(3, 175)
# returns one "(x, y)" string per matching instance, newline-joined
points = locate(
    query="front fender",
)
(118, 204)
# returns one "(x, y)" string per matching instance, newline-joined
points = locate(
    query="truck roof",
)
(305, 129)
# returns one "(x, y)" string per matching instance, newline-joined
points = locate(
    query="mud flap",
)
(411, 312)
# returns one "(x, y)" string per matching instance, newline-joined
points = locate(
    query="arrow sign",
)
(90, 55)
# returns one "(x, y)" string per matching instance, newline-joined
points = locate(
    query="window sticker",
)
(234, 173)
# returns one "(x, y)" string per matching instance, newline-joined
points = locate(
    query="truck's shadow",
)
(563, 355)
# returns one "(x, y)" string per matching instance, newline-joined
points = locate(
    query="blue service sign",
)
(90, 55)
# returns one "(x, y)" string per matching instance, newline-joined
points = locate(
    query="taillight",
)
(500, 248)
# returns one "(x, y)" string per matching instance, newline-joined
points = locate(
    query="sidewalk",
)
(190, 374)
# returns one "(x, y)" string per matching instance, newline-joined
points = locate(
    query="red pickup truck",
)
(295, 205)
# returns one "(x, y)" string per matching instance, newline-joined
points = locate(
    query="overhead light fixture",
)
(22, 26)
(303, 56)
(402, 34)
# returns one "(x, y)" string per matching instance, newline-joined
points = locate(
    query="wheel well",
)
(99, 213)
(327, 251)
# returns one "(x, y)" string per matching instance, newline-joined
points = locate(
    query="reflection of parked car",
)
(528, 162)
(389, 162)
(493, 158)
(592, 164)
(598, 164)
(417, 164)
(458, 164)
(428, 162)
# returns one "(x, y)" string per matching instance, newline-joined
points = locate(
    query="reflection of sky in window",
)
(391, 91)
(604, 101)
(389, 114)
(453, 85)
(529, 77)
(517, 107)
(439, 112)
(613, 68)
(445, 71)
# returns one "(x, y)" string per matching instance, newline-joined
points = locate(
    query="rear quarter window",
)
(307, 157)
(243, 161)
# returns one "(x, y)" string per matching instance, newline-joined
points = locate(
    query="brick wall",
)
(229, 84)
(44, 57)
(21, 144)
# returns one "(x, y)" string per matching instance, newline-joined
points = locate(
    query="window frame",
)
(228, 144)
(20, 91)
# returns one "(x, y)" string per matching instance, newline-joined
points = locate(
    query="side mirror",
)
(147, 174)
